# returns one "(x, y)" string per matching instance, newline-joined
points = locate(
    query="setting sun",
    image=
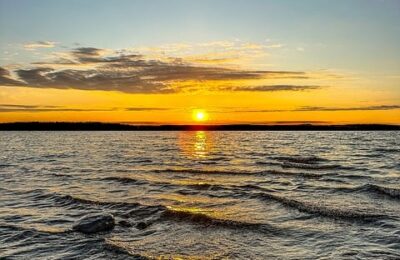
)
(200, 115)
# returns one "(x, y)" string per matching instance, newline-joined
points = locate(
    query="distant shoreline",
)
(86, 126)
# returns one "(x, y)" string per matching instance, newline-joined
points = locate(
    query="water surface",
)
(205, 195)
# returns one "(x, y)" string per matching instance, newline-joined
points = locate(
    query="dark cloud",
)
(90, 80)
(146, 109)
(328, 109)
(90, 51)
(262, 110)
(6, 80)
(384, 107)
(299, 122)
(32, 109)
(24, 106)
(91, 69)
(36, 108)
(85, 55)
(271, 88)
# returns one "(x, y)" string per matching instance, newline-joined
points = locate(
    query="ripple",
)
(318, 209)
(191, 216)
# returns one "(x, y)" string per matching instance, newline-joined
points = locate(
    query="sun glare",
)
(200, 115)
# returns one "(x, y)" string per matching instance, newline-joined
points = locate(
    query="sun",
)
(200, 115)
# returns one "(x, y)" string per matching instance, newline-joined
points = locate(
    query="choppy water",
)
(217, 195)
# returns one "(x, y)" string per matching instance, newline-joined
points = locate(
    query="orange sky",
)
(221, 107)
(91, 84)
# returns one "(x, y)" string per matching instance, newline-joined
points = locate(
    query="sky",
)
(236, 61)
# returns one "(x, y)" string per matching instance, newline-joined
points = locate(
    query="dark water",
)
(206, 195)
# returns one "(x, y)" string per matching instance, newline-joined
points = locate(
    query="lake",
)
(201, 195)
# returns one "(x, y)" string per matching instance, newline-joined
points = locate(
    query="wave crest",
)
(313, 208)
(301, 159)
(125, 180)
(203, 219)
(391, 192)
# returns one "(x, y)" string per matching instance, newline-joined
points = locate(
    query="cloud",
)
(300, 122)
(253, 46)
(274, 46)
(221, 44)
(271, 88)
(39, 44)
(24, 106)
(89, 68)
(327, 109)
(382, 107)
(6, 80)
(146, 109)
(7, 108)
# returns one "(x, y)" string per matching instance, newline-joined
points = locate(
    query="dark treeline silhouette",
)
(86, 126)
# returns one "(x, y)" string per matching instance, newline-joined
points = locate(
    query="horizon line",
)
(99, 126)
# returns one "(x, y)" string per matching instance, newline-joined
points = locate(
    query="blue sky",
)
(366, 32)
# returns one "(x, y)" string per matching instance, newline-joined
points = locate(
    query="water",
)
(205, 195)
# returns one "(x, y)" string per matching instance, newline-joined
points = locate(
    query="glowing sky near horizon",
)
(243, 61)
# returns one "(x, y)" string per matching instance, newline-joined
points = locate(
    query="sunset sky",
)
(241, 61)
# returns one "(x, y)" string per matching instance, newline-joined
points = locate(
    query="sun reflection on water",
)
(196, 145)
(200, 145)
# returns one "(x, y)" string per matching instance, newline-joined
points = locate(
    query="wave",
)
(310, 166)
(199, 171)
(391, 192)
(203, 219)
(62, 175)
(201, 186)
(143, 211)
(387, 150)
(72, 200)
(162, 212)
(306, 162)
(247, 187)
(298, 174)
(301, 159)
(32, 230)
(241, 173)
(123, 209)
(313, 208)
(119, 248)
(206, 186)
(140, 211)
(6, 165)
(195, 186)
(125, 180)
(69, 200)
(141, 161)
(373, 188)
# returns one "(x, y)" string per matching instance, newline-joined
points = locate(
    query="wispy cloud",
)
(18, 106)
(39, 44)
(272, 88)
(322, 109)
(274, 46)
(146, 109)
(7, 108)
(90, 68)
(6, 80)
(382, 107)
